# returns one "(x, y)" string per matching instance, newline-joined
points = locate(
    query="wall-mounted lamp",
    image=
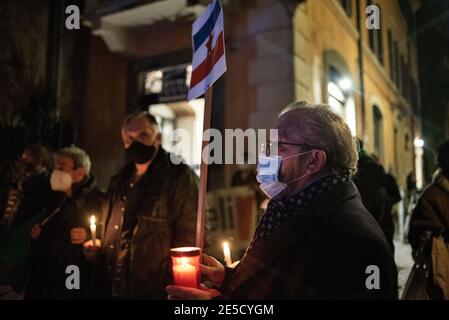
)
(419, 143)
(345, 84)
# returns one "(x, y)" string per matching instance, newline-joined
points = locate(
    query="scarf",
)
(280, 210)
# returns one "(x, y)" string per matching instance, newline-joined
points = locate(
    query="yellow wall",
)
(322, 25)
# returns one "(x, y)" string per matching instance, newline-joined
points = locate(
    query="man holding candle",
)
(151, 208)
(315, 240)
(58, 238)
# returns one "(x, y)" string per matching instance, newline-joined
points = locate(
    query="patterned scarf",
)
(280, 210)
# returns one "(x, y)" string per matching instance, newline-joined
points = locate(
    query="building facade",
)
(139, 56)
(340, 61)
(136, 54)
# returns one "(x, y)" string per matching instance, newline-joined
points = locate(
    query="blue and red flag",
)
(209, 60)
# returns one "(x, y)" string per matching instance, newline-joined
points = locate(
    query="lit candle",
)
(184, 274)
(93, 230)
(227, 254)
(186, 266)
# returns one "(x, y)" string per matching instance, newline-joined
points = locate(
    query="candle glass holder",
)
(186, 266)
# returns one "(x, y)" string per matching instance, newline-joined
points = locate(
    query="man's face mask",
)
(268, 169)
(139, 153)
(60, 181)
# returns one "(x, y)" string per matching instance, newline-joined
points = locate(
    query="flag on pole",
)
(209, 60)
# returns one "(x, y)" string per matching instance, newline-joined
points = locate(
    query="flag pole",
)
(201, 216)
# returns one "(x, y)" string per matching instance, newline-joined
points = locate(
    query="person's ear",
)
(317, 161)
(79, 174)
(122, 132)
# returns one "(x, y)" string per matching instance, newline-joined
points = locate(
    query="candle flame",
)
(92, 219)
(225, 245)
(184, 261)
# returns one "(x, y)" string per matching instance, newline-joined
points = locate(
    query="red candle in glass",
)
(186, 266)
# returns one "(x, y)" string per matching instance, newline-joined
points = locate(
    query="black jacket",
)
(35, 193)
(322, 253)
(53, 251)
(160, 213)
(371, 182)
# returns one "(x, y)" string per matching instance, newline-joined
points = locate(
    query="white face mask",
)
(268, 174)
(60, 181)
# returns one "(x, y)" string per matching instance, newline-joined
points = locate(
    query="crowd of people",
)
(149, 207)
(328, 222)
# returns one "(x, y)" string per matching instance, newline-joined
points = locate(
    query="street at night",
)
(224, 150)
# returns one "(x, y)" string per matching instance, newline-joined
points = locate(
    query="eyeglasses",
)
(272, 147)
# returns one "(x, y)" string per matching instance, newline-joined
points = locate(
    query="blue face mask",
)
(268, 169)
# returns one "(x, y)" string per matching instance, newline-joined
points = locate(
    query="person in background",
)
(412, 194)
(63, 229)
(25, 198)
(394, 196)
(411, 182)
(430, 218)
(151, 207)
(371, 183)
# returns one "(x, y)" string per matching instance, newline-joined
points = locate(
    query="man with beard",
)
(151, 207)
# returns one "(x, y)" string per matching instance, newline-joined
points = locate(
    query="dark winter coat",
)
(430, 218)
(53, 251)
(371, 183)
(160, 213)
(33, 197)
(323, 253)
(432, 211)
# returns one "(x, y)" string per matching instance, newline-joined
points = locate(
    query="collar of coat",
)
(281, 210)
(85, 186)
(161, 173)
(440, 180)
(157, 171)
(289, 233)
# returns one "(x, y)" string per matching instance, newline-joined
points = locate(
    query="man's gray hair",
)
(321, 128)
(79, 157)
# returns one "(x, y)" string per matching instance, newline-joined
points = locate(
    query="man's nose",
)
(131, 139)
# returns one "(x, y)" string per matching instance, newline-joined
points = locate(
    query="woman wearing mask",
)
(59, 236)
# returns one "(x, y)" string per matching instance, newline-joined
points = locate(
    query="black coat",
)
(35, 195)
(322, 253)
(53, 251)
(161, 212)
(371, 182)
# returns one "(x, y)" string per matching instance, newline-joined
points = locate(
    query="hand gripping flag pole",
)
(209, 64)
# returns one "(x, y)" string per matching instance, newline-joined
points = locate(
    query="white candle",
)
(93, 230)
(227, 254)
